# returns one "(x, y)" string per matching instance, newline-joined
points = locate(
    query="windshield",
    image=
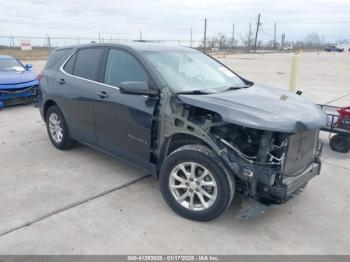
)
(10, 65)
(193, 71)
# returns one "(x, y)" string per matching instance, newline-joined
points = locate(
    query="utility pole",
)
(140, 34)
(274, 37)
(13, 41)
(191, 38)
(249, 36)
(99, 37)
(48, 41)
(256, 34)
(205, 33)
(233, 35)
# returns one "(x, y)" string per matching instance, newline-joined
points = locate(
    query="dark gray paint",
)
(76, 99)
(118, 124)
(262, 107)
(122, 124)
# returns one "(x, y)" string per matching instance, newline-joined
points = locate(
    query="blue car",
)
(18, 84)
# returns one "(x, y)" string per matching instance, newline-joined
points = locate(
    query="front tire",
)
(57, 129)
(195, 183)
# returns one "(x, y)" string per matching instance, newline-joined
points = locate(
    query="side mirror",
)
(29, 67)
(136, 88)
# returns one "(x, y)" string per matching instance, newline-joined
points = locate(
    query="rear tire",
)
(340, 143)
(195, 183)
(57, 129)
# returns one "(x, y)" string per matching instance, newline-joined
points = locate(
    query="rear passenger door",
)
(77, 83)
(123, 121)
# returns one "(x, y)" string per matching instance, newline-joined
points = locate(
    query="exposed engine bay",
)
(246, 142)
(267, 164)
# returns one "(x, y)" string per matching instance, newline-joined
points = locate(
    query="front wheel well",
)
(179, 140)
(176, 141)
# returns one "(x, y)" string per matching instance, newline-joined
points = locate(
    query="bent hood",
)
(262, 107)
(12, 77)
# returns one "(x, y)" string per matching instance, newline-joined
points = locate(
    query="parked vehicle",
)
(182, 116)
(18, 83)
(287, 48)
(333, 48)
(338, 123)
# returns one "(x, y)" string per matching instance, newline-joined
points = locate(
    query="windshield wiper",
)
(193, 92)
(235, 88)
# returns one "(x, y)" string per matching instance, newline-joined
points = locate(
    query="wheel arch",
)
(178, 140)
(49, 103)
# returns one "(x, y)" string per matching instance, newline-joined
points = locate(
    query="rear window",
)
(56, 57)
(87, 63)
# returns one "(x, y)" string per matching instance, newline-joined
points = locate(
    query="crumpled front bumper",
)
(270, 197)
(291, 185)
(19, 93)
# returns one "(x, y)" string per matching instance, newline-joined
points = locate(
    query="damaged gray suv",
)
(202, 130)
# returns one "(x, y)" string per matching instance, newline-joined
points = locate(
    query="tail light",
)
(40, 76)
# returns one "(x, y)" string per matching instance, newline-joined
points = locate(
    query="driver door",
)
(124, 121)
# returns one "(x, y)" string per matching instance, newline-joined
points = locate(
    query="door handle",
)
(102, 94)
(61, 81)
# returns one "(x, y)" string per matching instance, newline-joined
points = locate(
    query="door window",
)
(121, 67)
(87, 63)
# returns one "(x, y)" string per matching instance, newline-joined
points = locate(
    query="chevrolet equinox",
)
(180, 115)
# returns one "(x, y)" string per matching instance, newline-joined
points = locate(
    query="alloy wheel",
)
(193, 186)
(55, 127)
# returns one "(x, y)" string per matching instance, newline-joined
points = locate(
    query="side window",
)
(121, 67)
(56, 56)
(87, 63)
(69, 66)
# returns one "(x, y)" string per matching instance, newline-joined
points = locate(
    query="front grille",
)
(21, 90)
(300, 152)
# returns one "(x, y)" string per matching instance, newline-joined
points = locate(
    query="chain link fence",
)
(53, 42)
(41, 46)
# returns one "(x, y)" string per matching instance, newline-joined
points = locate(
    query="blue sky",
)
(165, 19)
